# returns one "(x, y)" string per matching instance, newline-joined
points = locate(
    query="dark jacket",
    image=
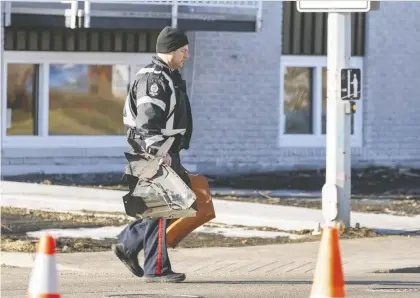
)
(157, 106)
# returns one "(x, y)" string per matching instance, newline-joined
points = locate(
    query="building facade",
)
(256, 80)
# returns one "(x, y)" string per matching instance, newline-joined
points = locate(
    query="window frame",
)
(44, 59)
(316, 139)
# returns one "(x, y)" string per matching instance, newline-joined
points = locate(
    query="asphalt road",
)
(14, 283)
(266, 271)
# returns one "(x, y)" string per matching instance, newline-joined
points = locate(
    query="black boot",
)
(170, 277)
(130, 262)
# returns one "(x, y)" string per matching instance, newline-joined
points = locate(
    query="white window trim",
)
(317, 139)
(135, 60)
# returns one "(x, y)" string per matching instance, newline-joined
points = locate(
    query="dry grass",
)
(17, 245)
(15, 240)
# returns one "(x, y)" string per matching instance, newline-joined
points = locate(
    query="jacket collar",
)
(157, 60)
(174, 73)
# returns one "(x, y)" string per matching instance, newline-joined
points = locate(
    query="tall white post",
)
(1, 72)
(336, 191)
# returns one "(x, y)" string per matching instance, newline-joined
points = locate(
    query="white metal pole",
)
(1, 74)
(87, 14)
(336, 191)
(174, 23)
(73, 16)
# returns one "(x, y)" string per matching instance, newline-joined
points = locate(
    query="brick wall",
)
(392, 66)
(236, 102)
(236, 95)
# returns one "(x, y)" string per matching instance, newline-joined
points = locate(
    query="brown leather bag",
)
(179, 228)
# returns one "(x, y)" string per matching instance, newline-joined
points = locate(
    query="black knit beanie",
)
(170, 39)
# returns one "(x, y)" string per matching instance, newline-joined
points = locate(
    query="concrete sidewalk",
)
(359, 256)
(66, 198)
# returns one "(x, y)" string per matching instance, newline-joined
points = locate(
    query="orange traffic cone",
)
(43, 282)
(328, 279)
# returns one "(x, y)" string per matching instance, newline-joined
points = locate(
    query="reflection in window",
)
(324, 104)
(21, 99)
(298, 100)
(87, 99)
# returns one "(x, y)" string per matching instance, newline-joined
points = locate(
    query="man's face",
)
(179, 57)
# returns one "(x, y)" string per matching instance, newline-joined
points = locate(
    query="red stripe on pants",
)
(43, 295)
(159, 252)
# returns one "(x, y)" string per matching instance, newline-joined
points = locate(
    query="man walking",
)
(157, 107)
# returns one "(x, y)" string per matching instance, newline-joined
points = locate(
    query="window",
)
(87, 99)
(303, 102)
(21, 99)
(297, 96)
(63, 99)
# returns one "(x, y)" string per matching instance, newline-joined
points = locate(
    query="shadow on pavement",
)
(153, 296)
(412, 270)
(306, 282)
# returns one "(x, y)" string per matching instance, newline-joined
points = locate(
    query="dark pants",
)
(150, 235)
